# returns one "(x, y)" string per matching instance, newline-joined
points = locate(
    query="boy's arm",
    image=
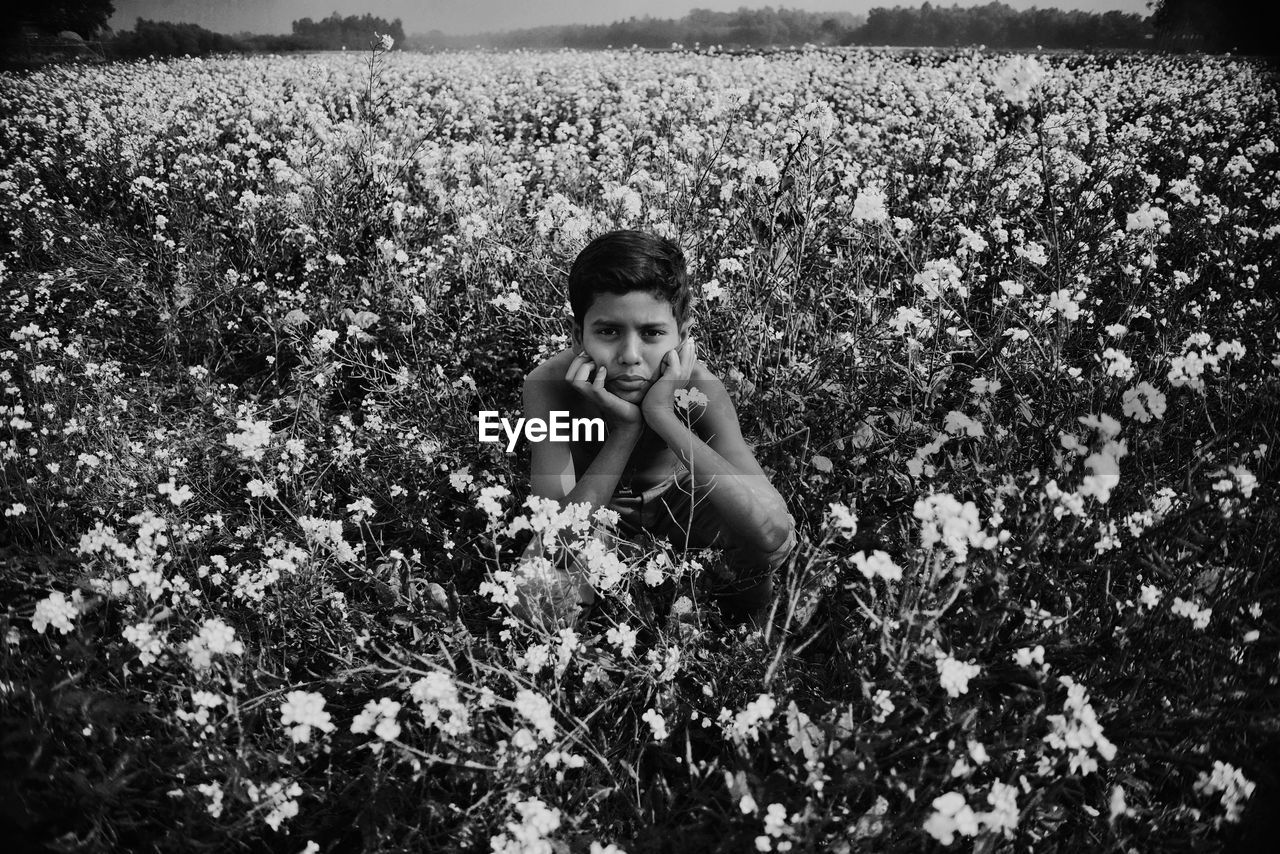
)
(739, 488)
(551, 463)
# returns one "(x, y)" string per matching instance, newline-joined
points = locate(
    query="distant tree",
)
(354, 32)
(999, 25)
(1218, 25)
(85, 17)
(162, 38)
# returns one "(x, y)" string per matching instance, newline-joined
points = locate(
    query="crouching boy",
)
(689, 478)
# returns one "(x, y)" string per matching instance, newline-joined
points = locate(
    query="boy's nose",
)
(630, 352)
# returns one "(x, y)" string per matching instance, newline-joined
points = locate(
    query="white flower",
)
(597, 848)
(1148, 218)
(957, 422)
(1144, 402)
(1026, 656)
(212, 791)
(939, 276)
(437, 696)
(945, 520)
(870, 205)
(1003, 817)
(623, 637)
(656, 723)
(954, 675)
(1199, 616)
(328, 534)
(1018, 78)
(1033, 252)
(1079, 730)
(1234, 786)
(304, 710)
(279, 796)
(178, 495)
(323, 341)
(775, 820)
(951, 816)
(1118, 363)
(261, 489)
(55, 610)
(380, 717)
(1246, 481)
(386, 42)
(536, 709)
(490, 500)
(143, 636)
(529, 835)
(1151, 595)
(879, 563)
(1060, 301)
(253, 438)
(747, 722)
(884, 706)
(690, 398)
(510, 301)
(842, 519)
(215, 638)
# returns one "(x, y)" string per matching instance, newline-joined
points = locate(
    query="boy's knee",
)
(780, 543)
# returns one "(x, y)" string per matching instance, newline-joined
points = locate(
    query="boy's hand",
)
(676, 368)
(617, 412)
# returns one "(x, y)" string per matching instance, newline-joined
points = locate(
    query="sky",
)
(473, 16)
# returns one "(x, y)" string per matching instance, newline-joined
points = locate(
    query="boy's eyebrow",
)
(652, 324)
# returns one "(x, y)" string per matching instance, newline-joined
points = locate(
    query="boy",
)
(691, 478)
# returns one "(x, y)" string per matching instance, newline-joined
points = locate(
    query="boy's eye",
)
(650, 333)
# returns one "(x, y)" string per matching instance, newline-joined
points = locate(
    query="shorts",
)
(682, 513)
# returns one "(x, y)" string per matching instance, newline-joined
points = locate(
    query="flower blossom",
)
(303, 710)
(945, 520)
(378, 716)
(55, 610)
(954, 675)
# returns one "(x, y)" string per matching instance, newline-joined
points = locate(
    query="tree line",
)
(995, 25)
(336, 32)
(1213, 25)
(998, 25)
(743, 28)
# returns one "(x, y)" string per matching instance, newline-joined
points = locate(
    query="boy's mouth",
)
(628, 383)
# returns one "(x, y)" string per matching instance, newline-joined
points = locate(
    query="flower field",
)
(1002, 329)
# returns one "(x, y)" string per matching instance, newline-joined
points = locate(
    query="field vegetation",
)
(1002, 329)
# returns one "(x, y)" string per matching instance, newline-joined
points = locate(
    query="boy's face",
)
(629, 334)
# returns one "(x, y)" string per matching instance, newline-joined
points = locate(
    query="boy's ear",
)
(575, 331)
(683, 330)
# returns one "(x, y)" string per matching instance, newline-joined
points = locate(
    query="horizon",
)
(474, 17)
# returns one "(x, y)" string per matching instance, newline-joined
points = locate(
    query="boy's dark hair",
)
(620, 262)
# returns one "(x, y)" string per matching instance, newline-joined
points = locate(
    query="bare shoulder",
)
(545, 384)
(553, 368)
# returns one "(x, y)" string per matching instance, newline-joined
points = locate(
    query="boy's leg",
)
(556, 587)
(552, 588)
(690, 520)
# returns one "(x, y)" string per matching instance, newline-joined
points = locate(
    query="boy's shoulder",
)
(546, 386)
(553, 368)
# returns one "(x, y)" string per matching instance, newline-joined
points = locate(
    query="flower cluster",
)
(1078, 732)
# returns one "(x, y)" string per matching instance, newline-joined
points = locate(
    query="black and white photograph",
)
(665, 427)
